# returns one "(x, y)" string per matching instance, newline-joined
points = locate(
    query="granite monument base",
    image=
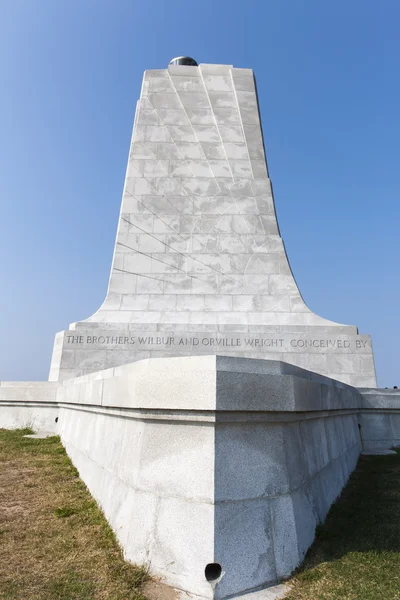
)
(338, 353)
(215, 470)
(210, 462)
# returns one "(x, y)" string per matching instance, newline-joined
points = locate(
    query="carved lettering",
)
(74, 339)
(263, 345)
(361, 343)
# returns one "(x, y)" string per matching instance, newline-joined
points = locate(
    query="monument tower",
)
(199, 266)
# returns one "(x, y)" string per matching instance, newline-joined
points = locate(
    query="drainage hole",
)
(213, 572)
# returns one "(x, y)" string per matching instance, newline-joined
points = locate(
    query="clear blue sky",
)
(328, 83)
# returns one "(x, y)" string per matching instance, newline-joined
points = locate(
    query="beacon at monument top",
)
(184, 60)
(199, 266)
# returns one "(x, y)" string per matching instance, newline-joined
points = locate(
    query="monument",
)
(215, 470)
(199, 266)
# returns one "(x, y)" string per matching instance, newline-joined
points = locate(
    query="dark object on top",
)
(184, 60)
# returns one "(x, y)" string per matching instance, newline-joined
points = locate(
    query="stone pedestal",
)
(199, 265)
(212, 461)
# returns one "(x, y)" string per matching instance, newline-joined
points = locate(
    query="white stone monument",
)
(199, 266)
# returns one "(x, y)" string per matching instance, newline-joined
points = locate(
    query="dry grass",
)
(55, 543)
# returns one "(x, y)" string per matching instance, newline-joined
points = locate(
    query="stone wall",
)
(210, 459)
(380, 419)
(28, 404)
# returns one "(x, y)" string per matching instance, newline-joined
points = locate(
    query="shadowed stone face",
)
(198, 257)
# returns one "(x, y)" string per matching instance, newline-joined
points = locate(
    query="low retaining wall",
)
(28, 404)
(207, 460)
(380, 418)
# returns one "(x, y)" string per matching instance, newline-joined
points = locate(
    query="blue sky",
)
(328, 83)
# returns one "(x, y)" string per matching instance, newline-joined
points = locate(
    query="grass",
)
(356, 554)
(55, 543)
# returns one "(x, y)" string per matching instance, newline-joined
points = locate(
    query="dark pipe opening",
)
(213, 572)
(56, 419)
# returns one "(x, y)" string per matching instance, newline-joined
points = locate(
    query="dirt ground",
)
(55, 543)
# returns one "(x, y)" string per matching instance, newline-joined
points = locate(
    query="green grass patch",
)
(70, 585)
(356, 553)
(66, 511)
(55, 542)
